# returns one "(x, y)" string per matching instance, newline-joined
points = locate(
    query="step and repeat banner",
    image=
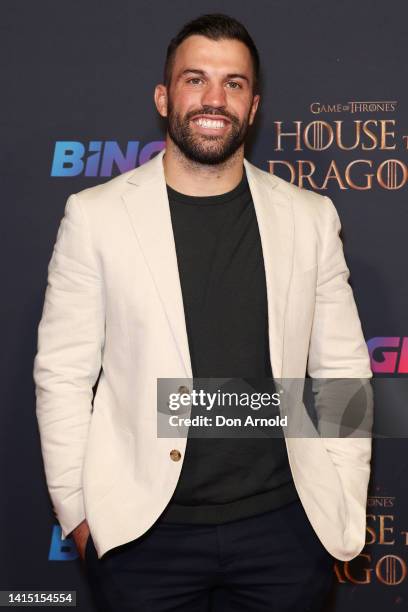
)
(77, 109)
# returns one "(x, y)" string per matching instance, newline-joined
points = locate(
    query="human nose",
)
(214, 95)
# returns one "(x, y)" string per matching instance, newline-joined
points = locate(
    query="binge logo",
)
(61, 550)
(97, 158)
(389, 354)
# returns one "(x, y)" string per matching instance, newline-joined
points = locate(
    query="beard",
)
(202, 148)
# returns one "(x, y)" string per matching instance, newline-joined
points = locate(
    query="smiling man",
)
(210, 101)
(199, 264)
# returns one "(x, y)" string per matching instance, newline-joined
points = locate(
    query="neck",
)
(196, 179)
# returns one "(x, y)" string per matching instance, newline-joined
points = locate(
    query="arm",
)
(337, 347)
(68, 361)
(338, 350)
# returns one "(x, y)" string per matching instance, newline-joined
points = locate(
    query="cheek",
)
(241, 109)
(185, 101)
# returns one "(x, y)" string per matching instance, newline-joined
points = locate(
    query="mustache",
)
(207, 110)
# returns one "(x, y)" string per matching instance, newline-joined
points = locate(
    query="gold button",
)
(175, 454)
(183, 389)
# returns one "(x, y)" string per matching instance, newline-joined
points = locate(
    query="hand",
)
(80, 535)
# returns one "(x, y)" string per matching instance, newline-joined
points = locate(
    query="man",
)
(199, 264)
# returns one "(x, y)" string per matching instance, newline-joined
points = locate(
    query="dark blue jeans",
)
(271, 562)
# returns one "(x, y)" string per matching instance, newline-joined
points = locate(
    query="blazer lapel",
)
(276, 228)
(148, 207)
(149, 211)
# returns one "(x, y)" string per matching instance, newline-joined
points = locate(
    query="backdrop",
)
(77, 109)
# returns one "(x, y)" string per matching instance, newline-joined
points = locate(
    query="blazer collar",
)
(148, 208)
(154, 167)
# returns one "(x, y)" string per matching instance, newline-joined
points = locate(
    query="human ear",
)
(160, 99)
(254, 107)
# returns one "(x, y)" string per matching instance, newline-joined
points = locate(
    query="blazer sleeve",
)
(68, 361)
(338, 350)
(337, 346)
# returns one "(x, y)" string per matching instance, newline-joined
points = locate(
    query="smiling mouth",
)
(212, 124)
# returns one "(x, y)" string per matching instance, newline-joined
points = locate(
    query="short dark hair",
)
(215, 26)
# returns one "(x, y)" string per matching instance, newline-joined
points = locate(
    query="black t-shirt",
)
(222, 278)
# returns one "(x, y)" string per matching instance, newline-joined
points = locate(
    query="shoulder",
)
(305, 203)
(103, 195)
(107, 196)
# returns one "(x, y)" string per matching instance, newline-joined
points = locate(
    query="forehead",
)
(220, 56)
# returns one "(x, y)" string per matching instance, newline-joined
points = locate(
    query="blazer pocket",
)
(106, 459)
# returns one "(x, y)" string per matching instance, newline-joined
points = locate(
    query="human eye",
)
(235, 84)
(193, 79)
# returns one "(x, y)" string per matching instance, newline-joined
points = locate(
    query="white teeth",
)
(210, 123)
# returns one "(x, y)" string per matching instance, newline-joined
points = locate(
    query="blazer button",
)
(175, 454)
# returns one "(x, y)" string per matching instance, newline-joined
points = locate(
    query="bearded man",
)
(199, 264)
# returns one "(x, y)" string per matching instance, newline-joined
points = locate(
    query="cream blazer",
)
(113, 301)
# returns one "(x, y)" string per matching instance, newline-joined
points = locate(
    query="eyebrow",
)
(234, 75)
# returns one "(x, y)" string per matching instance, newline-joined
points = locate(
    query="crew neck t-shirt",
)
(223, 284)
